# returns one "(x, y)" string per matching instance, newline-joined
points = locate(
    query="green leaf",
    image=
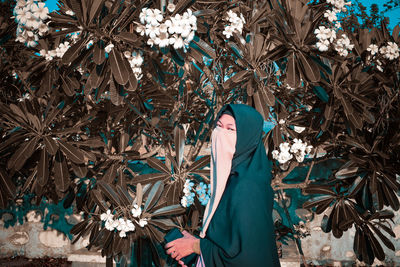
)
(179, 140)
(72, 153)
(168, 210)
(110, 174)
(7, 184)
(108, 191)
(321, 93)
(43, 168)
(154, 195)
(20, 156)
(61, 173)
(98, 54)
(118, 67)
(158, 165)
(310, 68)
(200, 163)
(292, 74)
(73, 51)
(148, 178)
(98, 199)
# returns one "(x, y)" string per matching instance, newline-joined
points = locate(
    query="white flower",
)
(137, 60)
(150, 42)
(299, 157)
(184, 202)
(110, 225)
(275, 154)
(174, 25)
(43, 28)
(143, 15)
(136, 211)
(163, 28)
(190, 37)
(236, 24)
(298, 129)
(154, 17)
(281, 121)
(228, 32)
(308, 149)
(23, 15)
(130, 226)
(40, 11)
(20, 3)
(152, 31)
(284, 147)
(162, 40)
(141, 29)
(177, 41)
(322, 45)
(122, 234)
(373, 48)
(186, 30)
(391, 51)
(70, 12)
(296, 146)
(108, 48)
(143, 222)
(171, 7)
(31, 21)
(121, 224)
(106, 216)
(284, 157)
(127, 54)
(321, 32)
(32, 41)
(343, 52)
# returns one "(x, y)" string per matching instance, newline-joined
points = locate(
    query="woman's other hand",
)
(183, 247)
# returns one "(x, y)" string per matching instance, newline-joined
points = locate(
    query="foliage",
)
(73, 120)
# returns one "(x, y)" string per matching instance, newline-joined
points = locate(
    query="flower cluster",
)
(235, 24)
(178, 30)
(343, 45)
(135, 60)
(389, 51)
(123, 225)
(203, 192)
(287, 150)
(188, 198)
(326, 35)
(339, 5)
(58, 52)
(30, 15)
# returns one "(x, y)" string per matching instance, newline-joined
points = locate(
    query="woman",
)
(237, 227)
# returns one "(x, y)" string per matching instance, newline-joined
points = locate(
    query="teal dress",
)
(241, 232)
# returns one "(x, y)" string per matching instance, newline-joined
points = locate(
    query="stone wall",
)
(32, 241)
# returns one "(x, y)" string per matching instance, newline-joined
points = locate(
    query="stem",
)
(297, 239)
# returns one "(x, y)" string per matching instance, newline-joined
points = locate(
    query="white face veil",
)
(223, 143)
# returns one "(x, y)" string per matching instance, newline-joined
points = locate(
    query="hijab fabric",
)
(237, 226)
(223, 143)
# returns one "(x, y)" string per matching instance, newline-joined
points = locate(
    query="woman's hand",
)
(183, 246)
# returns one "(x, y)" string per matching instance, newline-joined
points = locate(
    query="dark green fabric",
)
(241, 232)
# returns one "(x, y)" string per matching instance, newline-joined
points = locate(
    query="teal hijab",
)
(241, 232)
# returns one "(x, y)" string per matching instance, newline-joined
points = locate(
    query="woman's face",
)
(227, 122)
